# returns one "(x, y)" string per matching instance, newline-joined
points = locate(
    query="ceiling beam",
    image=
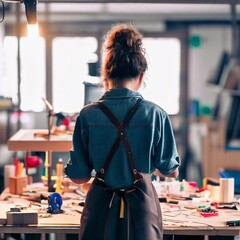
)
(144, 1)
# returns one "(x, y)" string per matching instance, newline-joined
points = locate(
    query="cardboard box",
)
(17, 184)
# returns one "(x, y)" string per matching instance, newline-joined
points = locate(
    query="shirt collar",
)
(121, 93)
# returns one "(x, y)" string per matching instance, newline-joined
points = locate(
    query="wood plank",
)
(144, 1)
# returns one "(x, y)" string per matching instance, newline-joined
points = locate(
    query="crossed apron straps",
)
(121, 136)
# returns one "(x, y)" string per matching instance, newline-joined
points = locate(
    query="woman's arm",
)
(174, 174)
(79, 181)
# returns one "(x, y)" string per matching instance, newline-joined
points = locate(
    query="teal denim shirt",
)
(149, 133)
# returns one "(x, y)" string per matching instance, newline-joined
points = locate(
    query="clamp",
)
(54, 203)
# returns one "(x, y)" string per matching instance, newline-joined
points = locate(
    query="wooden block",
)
(22, 218)
(17, 184)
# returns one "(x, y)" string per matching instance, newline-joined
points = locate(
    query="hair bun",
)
(127, 41)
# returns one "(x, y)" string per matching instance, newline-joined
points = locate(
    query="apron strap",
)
(121, 136)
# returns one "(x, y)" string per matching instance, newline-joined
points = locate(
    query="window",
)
(9, 80)
(71, 56)
(33, 81)
(163, 74)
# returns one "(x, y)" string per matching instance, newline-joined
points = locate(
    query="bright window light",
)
(163, 75)
(71, 56)
(8, 82)
(33, 80)
(33, 73)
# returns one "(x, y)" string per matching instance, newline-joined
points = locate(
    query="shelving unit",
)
(217, 151)
(215, 154)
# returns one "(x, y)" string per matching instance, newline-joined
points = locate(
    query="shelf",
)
(220, 89)
(232, 92)
(233, 145)
(231, 148)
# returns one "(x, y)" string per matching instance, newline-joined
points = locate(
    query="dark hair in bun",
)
(125, 57)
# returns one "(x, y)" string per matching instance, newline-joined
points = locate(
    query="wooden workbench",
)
(30, 140)
(177, 220)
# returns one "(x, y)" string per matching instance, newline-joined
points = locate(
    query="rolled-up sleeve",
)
(166, 158)
(79, 156)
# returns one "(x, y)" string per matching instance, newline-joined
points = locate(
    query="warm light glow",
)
(33, 30)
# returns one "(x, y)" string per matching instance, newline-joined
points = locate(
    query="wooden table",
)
(190, 222)
(31, 140)
(177, 218)
(168, 230)
(174, 223)
(66, 228)
(38, 140)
